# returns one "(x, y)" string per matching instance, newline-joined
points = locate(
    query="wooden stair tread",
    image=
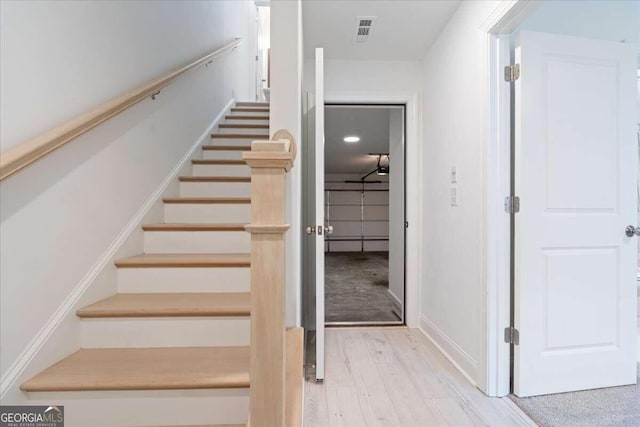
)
(146, 369)
(218, 162)
(215, 179)
(185, 260)
(226, 147)
(243, 126)
(169, 305)
(208, 200)
(266, 118)
(252, 136)
(193, 227)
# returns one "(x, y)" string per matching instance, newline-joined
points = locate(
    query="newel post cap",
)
(280, 152)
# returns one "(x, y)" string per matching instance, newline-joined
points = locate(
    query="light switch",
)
(454, 196)
(454, 175)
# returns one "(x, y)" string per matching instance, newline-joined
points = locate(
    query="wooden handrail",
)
(270, 402)
(24, 154)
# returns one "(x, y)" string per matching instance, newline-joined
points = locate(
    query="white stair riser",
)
(222, 154)
(206, 213)
(187, 279)
(149, 408)
(257, 114)
(215, 189)
(264, 133)
(235, 141)
(221, 170)
(186, 242)
(165, 332)
(258, 121)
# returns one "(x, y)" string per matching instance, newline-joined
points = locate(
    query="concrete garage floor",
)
(356, 287)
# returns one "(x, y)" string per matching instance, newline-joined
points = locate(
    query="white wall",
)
(396, 208)
(453, 300)
(60, 217)
(370, 77)
(76, 55)
(286, 113)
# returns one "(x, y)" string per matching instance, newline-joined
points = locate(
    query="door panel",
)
(313, 215)
(319, 211)
(575, 168)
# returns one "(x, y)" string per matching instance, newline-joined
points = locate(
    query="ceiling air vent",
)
(363, 28)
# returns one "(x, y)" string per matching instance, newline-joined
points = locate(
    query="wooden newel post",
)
(269, 162)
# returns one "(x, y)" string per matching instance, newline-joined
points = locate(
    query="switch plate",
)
(454, 196)
(454, 175)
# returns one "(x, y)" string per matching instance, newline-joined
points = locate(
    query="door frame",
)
(413, 185)
(497, 118)
(402, 321)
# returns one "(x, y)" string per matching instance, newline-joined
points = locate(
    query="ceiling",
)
(371, 124)
(402, 30)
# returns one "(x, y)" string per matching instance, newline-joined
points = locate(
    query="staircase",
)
(172, 347)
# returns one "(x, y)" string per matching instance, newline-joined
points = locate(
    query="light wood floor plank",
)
(376, 406)
(411, 407)
(316, 404)
(396, 377)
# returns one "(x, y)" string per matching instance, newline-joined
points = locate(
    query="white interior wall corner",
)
(286, 113)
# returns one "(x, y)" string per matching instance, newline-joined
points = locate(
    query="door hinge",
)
(512, 204)
(406, 224)
(512, 72)
(511, 336)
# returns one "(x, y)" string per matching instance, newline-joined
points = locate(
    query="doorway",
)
(365, 214)
(313, 204)
(263, 52)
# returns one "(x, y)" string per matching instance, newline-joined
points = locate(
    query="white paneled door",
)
(575, 173)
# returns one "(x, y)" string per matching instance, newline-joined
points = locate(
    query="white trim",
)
(67, 306)
(504, 20)
(397, 304)
(462, 361)
(498, 231)
(413, 185)
(508, 15)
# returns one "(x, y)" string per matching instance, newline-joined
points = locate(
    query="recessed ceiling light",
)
(351, 138)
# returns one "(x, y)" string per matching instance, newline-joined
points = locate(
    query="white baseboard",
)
(68, 306)
(459, 358)
(397, 304)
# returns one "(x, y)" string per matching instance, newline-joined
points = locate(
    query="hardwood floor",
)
(396, 377)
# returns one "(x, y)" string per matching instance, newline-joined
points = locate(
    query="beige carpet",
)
(615, 406)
